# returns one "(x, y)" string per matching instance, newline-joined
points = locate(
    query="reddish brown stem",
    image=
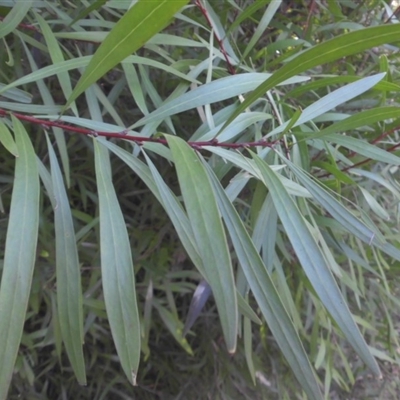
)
(122, 135)
(219, 40)
(195, 145)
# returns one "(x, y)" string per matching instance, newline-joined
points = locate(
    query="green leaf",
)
(362, 118)
(364, 148)
(242, 122)
(30, 108)
(58, 132)
(325, 52)
(247, 340)
(69, 292)
(334, 171)
(201, 206)
(326, 82)
(374, 205)
(377, 177)
(174, 210)
(346, 218)
(337, 97)
(117, 269)
(215, 91)
(332, 100)
(246, 310)
(272, 8)
(56, 56)
(288, 125)
(314, 263)
(177, 216)
(174, 325)
(16, 95)
(20, 253)
(137, 166)
(62, 67)
(47, 181)
(183, 228)
(133, 30)
(265, 292)
(14, 17)
(246, 13)
(50, 70)
(86, 11)
(152, 179)
(7, 140)
(248, 165)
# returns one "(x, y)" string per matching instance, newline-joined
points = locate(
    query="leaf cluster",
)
(154, 153)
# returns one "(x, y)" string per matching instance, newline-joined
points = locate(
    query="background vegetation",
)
(249, 150)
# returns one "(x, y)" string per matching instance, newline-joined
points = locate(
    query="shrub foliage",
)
(156, 152)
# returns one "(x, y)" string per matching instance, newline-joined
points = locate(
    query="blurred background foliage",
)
(199, 366)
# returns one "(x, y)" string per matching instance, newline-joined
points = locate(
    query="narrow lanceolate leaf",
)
(364, 148)
(332, 100)
(212, 92)
(184, 230)
(325, 52)
(56, 56)
(7, 140)
(338, 96)
(338, 211)
(270, 11)
(201, 206)
(17, 95)
(246, 13)
(69, 293)
(19, 257)
(153, 180)
(265, 292)
(346, 218)
(314, 262)
(45, 72)
(87, 10)
(14, 17)
(132, 31)
(117, 269)
(177, 216)
(362, 118)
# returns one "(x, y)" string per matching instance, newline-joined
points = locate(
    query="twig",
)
(123, 134)
(219, 40)
(195, 145)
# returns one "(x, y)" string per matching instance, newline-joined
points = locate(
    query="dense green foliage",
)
(154, 152)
